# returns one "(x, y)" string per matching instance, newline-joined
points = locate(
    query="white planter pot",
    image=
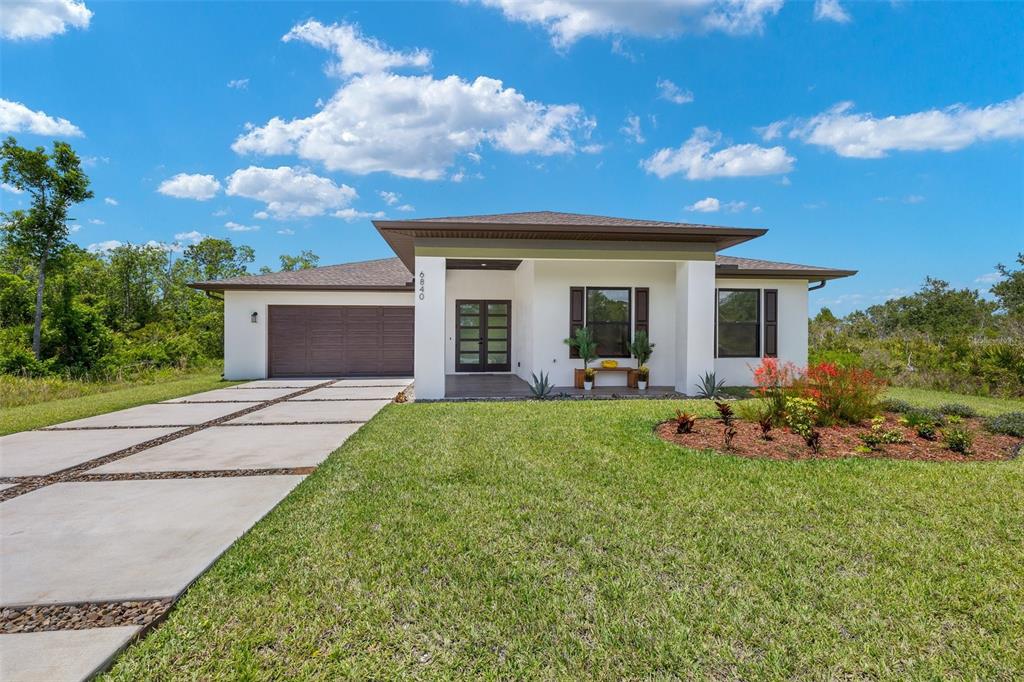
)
(587, 385)
(642, 385)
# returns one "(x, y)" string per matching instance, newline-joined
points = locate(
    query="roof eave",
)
(221, 286)
(810, 275)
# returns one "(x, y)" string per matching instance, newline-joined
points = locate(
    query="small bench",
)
(631, 375)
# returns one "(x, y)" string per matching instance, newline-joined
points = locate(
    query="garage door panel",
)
(340, 340)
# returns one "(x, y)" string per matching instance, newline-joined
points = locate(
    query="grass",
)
(563, 540)
(988, 407)
(93, 399)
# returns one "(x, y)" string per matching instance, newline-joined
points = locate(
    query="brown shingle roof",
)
(733, 266)
(555, 218)
(382, 274)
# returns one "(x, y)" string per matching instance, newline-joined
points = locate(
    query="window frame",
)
(757, 324)
(629, 316)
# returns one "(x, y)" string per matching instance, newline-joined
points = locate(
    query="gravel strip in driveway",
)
(81, 616)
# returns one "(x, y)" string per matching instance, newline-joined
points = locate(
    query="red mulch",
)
(838, 442)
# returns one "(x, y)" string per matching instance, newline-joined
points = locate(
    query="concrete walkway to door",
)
(105, 521)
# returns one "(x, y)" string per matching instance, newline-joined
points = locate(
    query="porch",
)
(509, 386)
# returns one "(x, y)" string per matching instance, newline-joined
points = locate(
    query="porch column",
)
(695, 323)
(428, 292)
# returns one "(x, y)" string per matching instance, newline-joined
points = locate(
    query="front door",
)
(483, 333)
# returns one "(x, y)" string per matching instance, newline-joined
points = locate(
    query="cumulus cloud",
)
(238, 83)
(238, 227)
(193, 236)
(415, 126)
(103, 247)
(864, 136)
(734, 206)
(706, 205)
(96, 221)
(286, 231)
(988, 278)
(34, 19)
(11, 188)
(668, 90)
(355, 52)
(631, 129)
(390, 198)
(405, 208)
(289, 192)
(110, 201)
(696, 161)
(567, 21)
(190, 186)
(15, 117)
(830, 10)
(350, 214)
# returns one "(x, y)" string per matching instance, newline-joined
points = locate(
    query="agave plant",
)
(541, 386)
(709, 386)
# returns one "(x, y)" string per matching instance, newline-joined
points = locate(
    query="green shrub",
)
(879, 435)
(958, 439)
(1011, 424)
(896, 405)
(958, 410)
(916, 418)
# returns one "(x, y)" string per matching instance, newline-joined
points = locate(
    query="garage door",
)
(339, 340)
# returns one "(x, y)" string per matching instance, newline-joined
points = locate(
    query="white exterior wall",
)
(245, 343)
(695, 290)
(792, 328)
(551, 282)
(475, 284)
(522, 321)
(429, 296)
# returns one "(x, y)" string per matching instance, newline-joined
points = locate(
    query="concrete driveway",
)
(105, 521)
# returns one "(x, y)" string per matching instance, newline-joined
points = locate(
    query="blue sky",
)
(196, 118)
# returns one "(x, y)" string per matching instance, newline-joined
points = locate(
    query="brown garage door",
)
(334, 340)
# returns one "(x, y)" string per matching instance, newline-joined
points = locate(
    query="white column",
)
(695, 323)
(428, 282)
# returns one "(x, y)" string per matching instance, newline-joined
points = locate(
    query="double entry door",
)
(483, 334)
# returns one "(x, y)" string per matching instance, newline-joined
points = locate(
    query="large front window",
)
(738, 323)
(608, 320)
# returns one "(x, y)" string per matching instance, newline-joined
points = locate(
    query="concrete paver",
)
(160, 414)
(351, 393)
(305, 411)
(122, 540)
(239, 447)
(282, 383)
(37, 453)
(400, 382)
(61, 656)
(256, 395)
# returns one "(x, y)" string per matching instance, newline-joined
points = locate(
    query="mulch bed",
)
(82, 616)
(840, 441)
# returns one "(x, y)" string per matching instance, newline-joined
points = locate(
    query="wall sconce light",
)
(254, 318)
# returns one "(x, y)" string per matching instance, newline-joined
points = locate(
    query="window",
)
(739, 323)
(608, 320)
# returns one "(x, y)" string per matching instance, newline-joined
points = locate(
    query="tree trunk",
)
(37, 329)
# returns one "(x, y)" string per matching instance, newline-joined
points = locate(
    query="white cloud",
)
(356, 53)
(988, 278)
(830, 10)
(458, 176)
(631, 129)
(706, 205)
(289, 192)
(756, 209)
(220, 213)
(415, 126)
(390, 198)
(864, 136)
(194, 236)
(238, 227)
(110, 201)
(406, 208)
(474, 157)
(11, 188)
(350, 214)
(238, 83)
(567, 21)
(735, 206)
(913, 199)
(190, 186)
(33, 19)
(771, 131)
(286, 231)
(93, 161)
(15, 117)
(672, 92)
(96, 221)
(696, 160)
(103, 247)
(74, 228)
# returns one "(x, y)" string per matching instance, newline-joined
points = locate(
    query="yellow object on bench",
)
(609, 364)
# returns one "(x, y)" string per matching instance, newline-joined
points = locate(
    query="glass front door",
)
(484, 330)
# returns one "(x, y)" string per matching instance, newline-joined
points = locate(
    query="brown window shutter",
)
(576, 319)
(643, 296)
(771, 323)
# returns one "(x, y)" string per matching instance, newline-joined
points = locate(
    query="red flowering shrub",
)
(773, 382)
(843, 395)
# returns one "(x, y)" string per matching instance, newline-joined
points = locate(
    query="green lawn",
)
(927, 398)
(563, 540)
(39, 414)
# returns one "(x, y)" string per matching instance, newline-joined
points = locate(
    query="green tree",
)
(1010, 290)
(54, 182)
(304, 261)
(217, 259)
(136, 275)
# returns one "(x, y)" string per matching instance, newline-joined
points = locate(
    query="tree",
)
(54, 182)
(218, 258)
(1010, 291)
(304, 261)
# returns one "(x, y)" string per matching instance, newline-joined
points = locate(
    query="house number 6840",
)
(422, 287)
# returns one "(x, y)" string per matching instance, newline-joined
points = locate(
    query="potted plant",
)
(641, 348)
(583, 342)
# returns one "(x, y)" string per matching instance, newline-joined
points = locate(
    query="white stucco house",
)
(498, 294)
